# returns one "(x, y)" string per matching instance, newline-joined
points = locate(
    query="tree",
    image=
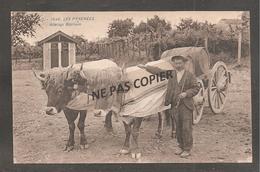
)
(246, 32)
(26, 51)
(152, 25)
(188, 23)
(81, 44)
(246, 26)
(120, 28)
(23, 24)
(156, 24)
(141, 28)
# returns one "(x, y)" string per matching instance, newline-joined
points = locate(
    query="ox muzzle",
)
(51, 111)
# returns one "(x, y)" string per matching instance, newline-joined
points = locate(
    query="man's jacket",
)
(190, 86)
(188, 82)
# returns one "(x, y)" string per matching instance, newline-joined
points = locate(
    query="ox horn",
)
(68, 70)
(82, 74)
(81, 67)
(38, 76)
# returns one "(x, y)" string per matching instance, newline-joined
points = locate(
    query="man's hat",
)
(182, 57)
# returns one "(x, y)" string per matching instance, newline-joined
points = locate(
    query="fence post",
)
(239, 47)
(110, 50)
(123, 47)
(145, 42)
(127, 44)
(139, 49)
(206, 42)
(119, 49)
(133, 43)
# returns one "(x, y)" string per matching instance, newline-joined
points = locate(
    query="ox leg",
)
(81, 126)
(108, 122)
(125, 149)
(160, 126)
(168, 117)
(71, 116)
(136, 153)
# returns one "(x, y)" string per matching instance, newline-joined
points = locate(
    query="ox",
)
(59, 89)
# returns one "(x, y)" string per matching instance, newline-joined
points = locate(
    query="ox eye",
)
(59, 91)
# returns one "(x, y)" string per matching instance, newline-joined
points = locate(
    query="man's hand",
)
(141, 66)
(182, 95)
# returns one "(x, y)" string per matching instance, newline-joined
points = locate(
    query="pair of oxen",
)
(60, 89)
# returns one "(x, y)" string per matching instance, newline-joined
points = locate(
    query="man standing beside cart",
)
(180, 90)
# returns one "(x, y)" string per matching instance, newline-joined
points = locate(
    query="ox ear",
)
(41, 77)
(123, 69)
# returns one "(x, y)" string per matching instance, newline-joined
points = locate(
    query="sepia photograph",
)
(131, 87)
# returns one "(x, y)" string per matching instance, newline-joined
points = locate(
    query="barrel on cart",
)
(213, 82)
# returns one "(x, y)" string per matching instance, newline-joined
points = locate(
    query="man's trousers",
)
(183, 119)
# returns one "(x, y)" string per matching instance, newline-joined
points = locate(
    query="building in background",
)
(59, 50)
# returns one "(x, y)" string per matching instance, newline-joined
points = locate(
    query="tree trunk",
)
(139, 49)
(206, 43)
(146, 52)
(239, 48)
(127, 44)
(133, 49)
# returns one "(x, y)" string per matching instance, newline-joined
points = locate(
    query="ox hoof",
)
(69, 148)
(124, 151)
(91, 140)
(159, 136)
(110, 131)
(136, 155)
(84, 146)
(173, 135)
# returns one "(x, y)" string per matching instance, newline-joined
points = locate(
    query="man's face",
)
(178, 64)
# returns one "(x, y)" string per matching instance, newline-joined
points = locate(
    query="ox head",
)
(58, 87)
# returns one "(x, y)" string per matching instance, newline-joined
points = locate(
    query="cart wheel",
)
(218, 87)
(198, 103)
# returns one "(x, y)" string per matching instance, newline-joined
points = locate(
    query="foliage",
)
(156, 35)
(23, 24)
(141, 28)
(120, 28)
(81, 45)
(153, 25)
(158, 25)
(26, 51)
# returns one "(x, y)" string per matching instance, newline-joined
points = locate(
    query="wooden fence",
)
(133, 46)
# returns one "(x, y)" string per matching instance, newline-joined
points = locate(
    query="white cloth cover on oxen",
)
(100, 74)
(145, 100)
(137, 102)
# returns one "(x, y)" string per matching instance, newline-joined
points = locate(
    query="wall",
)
(72, 53)
(46, 56)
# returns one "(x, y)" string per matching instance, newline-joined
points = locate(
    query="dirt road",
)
(39, 138)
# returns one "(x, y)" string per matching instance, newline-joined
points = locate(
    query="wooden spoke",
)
(221, 70)
(215, 100)
(214, 80)
(201, 93)
(214, 94)
(197, 111)
(213, 88)
(217, 97)
(220, 98)
(223, 93)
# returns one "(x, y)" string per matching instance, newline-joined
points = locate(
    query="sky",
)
(94, 25)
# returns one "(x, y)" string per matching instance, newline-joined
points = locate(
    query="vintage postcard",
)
(131, 87)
